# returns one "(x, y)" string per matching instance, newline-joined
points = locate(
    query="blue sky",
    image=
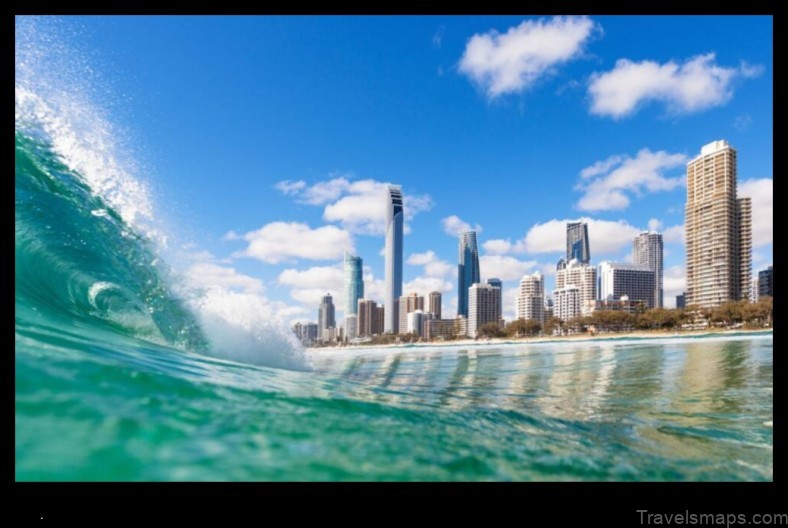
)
(267, 140)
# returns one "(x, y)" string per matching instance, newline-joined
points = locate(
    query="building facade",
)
(325, 313)
(766, 282)
(369, 320)
(416, 321)
(497, 283)
(467, 269)
(407, 304)
(530, 298)
(636, 282)
(395, 218)
(681, 300)
(354, 283)
(483, 307)
(718, 229)
(583, 277)
(306, 332)
(435, 304)
(577, 244)
(647, 251)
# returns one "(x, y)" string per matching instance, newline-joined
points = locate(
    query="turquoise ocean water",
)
(125, 370)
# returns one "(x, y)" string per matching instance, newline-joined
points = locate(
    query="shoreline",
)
(623, 336)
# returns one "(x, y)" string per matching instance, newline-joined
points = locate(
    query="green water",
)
(124, 370)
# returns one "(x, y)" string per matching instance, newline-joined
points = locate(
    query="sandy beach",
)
(643, 334)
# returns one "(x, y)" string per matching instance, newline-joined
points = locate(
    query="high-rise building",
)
(379, 320)
(573, 304)
(467, 269)
(395, 218)
(766, 282)
(407, 304)
(754, 289)
(416, 321)
(354, 283)
(435, 304)
(647, 251)
(718, 229)
(636, 282)
(370, 318)
(577, 246)
(681, 300)
(530, 298)
(325, 317)
(306, 332)
(497, 283)
(483, 307)
(351, 326)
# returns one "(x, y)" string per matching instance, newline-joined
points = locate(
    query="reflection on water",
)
(706, 402)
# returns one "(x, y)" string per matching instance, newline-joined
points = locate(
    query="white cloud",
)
(210, 274)
(513, 61)
(358, 205)
(433, 266)
(673, 234)
(424, 285)
(500, 246)
(282, 241)
(509, 302)
(761, 193)
(697, 84)
(606, 184)
(606, 237)
(674, 282)
(655, 224)
(290, 187)
(504, 267)
(453, 225)
(308, 286)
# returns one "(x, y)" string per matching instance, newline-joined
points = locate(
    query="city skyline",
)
(513, 155)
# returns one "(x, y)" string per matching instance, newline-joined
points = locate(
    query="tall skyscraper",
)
(530, 298)
(577, 246)
(718, 229)
(467, 269)
(325, 317)
(435, 304)
(647, 251)
(483, 303)
(407, 304)
(497, 283)
(766, 282)
(617, 280)
(354, 283)
(395, 218)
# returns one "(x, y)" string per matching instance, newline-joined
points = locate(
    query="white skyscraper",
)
(395, 218)
(580, 276)
(530, 298)
(647, 251)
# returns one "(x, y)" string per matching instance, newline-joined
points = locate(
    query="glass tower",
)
(467, 269)
(395, 218)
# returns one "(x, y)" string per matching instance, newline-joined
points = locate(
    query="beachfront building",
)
(569, 303)
(395, 218)
(435, 302)
(370, 318)
(484, 303)
(636, 282)
(647, 251)
(407, 304)
(530, 298)
(718, 229)
(325, 313)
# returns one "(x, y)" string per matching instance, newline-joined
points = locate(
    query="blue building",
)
(577, 246)
(467, 269)
(354, 283)
(395, 218)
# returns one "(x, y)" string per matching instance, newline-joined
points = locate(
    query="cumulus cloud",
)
(606, 237)
(513, 61)
(673, 234)
(674, 282)
(308, 286)
(355, 204)
(453, 225)
(608, 184)
(504, 267)
(283, 241)
(655, 224)
(433, 266)
(499, 246)
(211, 274)
(760, 191)
(424, 285)
(697, 84)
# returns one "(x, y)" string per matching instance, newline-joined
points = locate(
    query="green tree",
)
(490, 330)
